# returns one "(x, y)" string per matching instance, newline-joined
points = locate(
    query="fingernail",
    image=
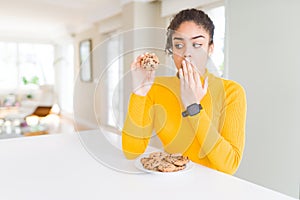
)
(180, 72)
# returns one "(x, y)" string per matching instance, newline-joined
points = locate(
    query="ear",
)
(211, 49)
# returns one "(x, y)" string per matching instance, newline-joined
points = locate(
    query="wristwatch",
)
(192, 110)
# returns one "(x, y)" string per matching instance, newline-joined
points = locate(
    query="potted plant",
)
(33, 81)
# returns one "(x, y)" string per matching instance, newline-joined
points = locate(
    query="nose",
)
(187, 52)
(187, 57)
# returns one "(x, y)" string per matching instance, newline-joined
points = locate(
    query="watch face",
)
(193, 109)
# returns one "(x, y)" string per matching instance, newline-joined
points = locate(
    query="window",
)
(217, 15)
(64, 66)
(114, 75)
(8, 66)
(23, 63)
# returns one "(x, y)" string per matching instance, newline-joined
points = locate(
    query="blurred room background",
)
(49, 83)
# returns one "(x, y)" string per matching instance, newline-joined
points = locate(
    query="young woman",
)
(194, 113)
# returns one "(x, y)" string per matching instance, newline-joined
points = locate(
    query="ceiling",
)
(49, 19)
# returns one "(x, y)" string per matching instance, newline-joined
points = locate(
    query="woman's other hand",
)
(142, 79)
(191, 88)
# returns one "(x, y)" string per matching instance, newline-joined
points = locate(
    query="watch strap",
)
(185, 113)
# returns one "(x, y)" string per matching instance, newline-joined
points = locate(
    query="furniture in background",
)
(37, 122)
(17, 106)
(42, 111)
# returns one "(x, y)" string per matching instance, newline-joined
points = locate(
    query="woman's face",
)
(191, 42)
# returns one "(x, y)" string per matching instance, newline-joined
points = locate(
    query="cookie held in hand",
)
(149, 61)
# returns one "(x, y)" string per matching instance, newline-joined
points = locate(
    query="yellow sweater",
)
(213, 138)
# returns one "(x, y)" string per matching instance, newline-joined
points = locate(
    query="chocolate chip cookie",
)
(164, 162)
(149, 61)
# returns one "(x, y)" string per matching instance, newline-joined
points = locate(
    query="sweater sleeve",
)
(138, 126)
(223, 148)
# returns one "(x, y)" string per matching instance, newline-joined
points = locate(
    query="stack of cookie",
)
(164, 162)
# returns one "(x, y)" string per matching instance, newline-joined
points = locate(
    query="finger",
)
(181, 78)
(137, 62)
(180, 73)
(194, 67)
(185, 72)
(141, 56)
(139, 59)
(133, 65)
(190, 75)
(191, 62)
(187, 60)
(197, 79)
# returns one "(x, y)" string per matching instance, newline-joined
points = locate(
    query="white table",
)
(62, 166)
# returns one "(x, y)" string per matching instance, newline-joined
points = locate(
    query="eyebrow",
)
(178, 38)
(198, 36)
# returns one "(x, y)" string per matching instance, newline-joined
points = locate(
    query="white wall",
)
(64, 75)
(83, 100)
(88, 101)
(263, 55)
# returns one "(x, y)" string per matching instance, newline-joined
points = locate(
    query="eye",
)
(179, 46)
(197, 45)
